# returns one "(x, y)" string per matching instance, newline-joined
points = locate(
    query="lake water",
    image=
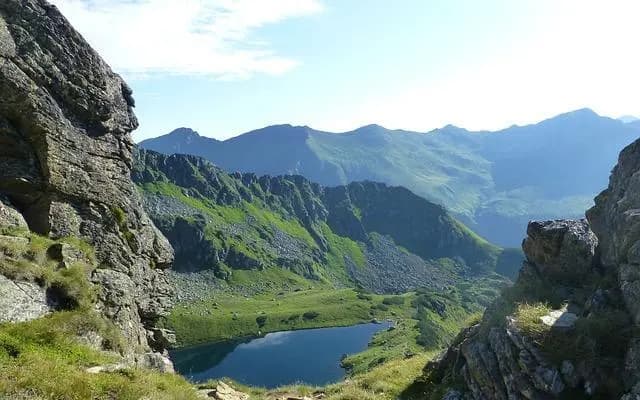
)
(309, 356)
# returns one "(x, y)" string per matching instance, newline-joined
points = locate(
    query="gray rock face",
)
(615, 219)
(21, 301)
(567, 262)
(65, 159)
(562, 249)
(9, 216)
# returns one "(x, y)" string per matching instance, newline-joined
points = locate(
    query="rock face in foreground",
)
(569, 326)
(65, 160)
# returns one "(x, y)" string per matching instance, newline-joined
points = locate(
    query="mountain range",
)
(382, 238)
(495, 182)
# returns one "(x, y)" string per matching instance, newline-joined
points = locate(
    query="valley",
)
(256, 255)
(289, 263)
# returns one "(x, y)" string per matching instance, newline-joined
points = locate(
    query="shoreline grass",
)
(228, 317)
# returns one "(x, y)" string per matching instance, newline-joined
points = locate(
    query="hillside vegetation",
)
(49, 357)
(273, 231)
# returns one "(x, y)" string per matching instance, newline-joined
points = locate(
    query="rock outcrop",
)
(21, 301)
(66, 157)
(569, 326)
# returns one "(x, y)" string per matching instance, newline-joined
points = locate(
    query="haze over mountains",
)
(494, 181)
(628, 119)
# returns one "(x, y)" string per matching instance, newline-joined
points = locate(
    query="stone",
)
(14, 241)
(155, 361)
(162, 338)
(226, 392)
(569, 374)
(561, 250)
(66, 255)
(10, 217)
(453, 395)
(66, 159)
(22, 301)
(560, 319)
(99, 369)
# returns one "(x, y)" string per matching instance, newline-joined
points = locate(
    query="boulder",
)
(9, 216)
(560, 319)
(562, 250)
(162, 338)
(14, 242)
(21, 301)
(66, 255)
(156, 361)
(223, 392)
(99, 369)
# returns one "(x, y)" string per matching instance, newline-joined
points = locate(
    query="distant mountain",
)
(628, 118)
(383, 238)
(494, 181)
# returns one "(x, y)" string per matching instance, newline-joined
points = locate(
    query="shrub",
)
(395, 300)
(381, 307)
(261, 320)
(364, 296)
(309, 315)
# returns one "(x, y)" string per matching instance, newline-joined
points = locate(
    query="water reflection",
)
(307, 356)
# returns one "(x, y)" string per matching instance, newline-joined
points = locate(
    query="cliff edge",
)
(568, 328)
(66, 158)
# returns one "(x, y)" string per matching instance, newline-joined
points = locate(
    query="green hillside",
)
(275, 231)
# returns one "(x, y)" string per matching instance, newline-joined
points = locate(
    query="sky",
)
(225, 67)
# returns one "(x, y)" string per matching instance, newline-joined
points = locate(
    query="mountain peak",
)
(184, 132)
(369, 129)
(580, 113)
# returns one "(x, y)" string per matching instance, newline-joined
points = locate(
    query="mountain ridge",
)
(476, 175)
(314, 217)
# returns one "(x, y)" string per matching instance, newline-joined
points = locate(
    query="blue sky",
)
(224, 67)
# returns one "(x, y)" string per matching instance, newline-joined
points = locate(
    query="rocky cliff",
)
(383, 238)
(569, 327)
(65, 161)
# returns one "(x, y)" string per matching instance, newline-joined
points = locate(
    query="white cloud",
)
(270, 340)
(186, 37)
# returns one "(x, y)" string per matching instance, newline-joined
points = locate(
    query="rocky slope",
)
(484, 178)
(384, 238)
(65, 161)
(569, 326)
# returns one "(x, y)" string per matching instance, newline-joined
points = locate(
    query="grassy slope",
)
(42, 359)
(264, 222)
(398, 158)
(231, 316)
(45, 359)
